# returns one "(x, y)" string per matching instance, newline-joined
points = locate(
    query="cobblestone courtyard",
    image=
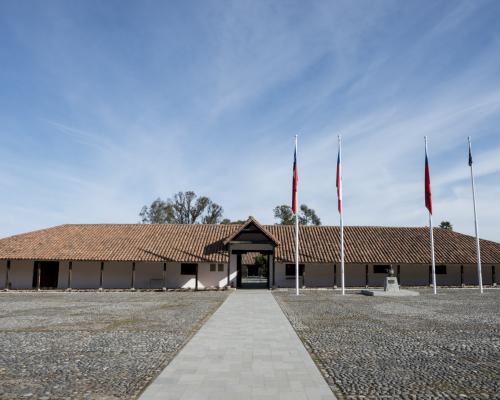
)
(426, 347)
(90, 345)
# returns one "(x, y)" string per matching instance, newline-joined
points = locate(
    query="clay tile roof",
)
(249, 258)
(249, 221)
(206, 243)
(374, 244)
(121, 242)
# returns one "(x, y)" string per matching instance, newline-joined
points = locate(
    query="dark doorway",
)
(254, 276)
(253, 270)
(49, 274)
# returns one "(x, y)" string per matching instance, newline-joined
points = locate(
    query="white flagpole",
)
(342, 254)
(432, 238)
(342, 274)
(478, 248)
(296, 235)
(433, 259)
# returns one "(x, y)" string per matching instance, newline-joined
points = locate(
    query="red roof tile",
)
(205, 243)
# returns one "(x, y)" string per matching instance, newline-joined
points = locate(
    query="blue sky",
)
(107, 105)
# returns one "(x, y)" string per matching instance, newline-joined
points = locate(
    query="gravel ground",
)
(90, 345)
(444, 346)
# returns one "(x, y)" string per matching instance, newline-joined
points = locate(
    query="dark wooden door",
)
(49, 274)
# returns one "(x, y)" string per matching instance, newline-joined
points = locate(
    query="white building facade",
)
(197, 257)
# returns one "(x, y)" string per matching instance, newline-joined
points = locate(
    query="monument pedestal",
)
(391, 284)
(391, 288)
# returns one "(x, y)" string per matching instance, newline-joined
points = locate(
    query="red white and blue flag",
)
(339, 181)
(428, 193)
(295, 181)
(470, 155)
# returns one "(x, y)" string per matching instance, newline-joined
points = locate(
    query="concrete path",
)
(246, 350)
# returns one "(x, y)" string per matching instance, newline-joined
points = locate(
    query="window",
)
(381, 269)
(212, 267)
(189, 269)
(290, 270)
(440, 269)
(221, 267)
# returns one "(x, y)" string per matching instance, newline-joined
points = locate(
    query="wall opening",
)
(49, 274)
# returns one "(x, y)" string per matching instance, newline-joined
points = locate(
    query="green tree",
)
(284, 214)
(182, 208)
(307, 216)
(157, 213)
(446, 225)
(260, 259)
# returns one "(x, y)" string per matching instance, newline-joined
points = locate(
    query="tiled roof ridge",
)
(34, 231)
(237, 225)
(252, 220)
(203, 243)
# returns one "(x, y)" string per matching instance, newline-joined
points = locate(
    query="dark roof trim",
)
(252, 220)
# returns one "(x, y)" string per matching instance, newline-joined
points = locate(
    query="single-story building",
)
(161, 256)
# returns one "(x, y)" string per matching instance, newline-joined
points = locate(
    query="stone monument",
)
(391, 287)
(391, 282)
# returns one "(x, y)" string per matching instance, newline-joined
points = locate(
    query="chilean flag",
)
(295, 182)
(428, 193)
(339, 182)
(470, 155)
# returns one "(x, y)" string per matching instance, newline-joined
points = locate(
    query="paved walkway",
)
(246, 350)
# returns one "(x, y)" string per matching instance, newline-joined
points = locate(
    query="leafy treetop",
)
(446, 225)
(307, 216)
(182, 208)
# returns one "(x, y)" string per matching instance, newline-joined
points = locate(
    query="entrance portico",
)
(252, 237)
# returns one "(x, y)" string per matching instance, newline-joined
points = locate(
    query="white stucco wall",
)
(451, 278)
(318, 275)
(207, 278)
(414, 275)
(376, 279)
(21, 274)
(418, 275)
(281, 279)
(315, 275)
(148, 275)
(470, 274)
(487, 276)
(176, 280)
(355, 275)
(86, 274)
(117, 275)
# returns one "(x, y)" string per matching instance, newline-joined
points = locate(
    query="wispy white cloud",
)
(212, 104)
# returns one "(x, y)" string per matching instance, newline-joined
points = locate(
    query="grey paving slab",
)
(246, 350)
